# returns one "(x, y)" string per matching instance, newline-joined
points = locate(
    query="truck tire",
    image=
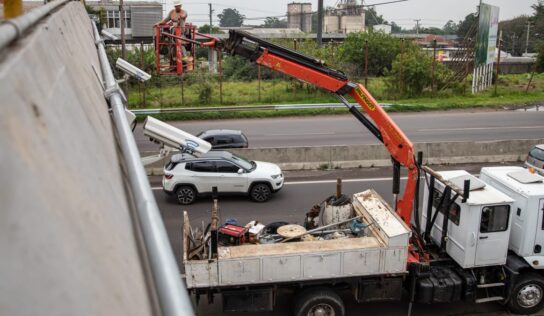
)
(319, 302)
(527, 296)
(185, 194)
(260, 192)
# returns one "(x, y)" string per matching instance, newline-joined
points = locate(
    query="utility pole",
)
(211, 12)
(513, 43)
(123, 50)
(319, 22)
(527, 39)
(417, 26)
(122, 26)
(498, 62)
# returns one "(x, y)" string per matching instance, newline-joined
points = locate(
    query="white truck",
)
(487, 247)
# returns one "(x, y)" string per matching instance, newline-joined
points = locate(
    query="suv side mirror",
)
(240, 171)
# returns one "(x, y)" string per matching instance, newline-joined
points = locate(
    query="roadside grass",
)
(510, 93)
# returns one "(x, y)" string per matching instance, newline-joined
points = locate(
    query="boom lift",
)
(175, 48)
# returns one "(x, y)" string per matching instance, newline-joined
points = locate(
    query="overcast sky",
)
(431, 12)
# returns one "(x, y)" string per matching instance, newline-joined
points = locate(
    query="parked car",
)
(535, 159)
(186, 176)
(224, 138)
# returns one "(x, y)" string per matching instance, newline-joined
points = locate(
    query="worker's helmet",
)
(177, 2)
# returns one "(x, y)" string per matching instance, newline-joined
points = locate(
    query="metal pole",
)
(433, 84)
(220, 58)
(366, 63)
(173, 297)
(527, 38)
(122, 26)
(259, 82)
(401, 78)
(211, 12)
(498, 62)
(142, 84)
(319, 22)
(123, 48)
(417, 26)
(11, 29)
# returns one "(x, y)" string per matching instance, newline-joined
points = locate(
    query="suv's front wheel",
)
(260, 192)
(185, 194)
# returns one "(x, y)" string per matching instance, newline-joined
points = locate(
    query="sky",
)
(433, 13)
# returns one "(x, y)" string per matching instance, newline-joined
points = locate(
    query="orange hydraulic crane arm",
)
(315, 72)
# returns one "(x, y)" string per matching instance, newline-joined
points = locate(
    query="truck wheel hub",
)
(322, 310)
(530, 295)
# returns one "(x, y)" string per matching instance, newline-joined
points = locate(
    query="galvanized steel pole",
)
(173, 297)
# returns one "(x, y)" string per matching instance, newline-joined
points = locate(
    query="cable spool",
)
(337, 209)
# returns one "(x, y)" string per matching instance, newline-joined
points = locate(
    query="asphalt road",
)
(302, 190)
(346, 130)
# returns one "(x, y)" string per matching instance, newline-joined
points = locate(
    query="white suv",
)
(187, 176)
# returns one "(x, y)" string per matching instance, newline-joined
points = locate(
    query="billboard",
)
(486, 41)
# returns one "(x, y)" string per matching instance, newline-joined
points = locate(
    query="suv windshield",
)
(537, 153)
(244, 163)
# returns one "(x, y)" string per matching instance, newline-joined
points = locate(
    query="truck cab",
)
(478, 229)
(527, 191)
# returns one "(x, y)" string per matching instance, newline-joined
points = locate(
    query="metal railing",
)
(11, 29)
(173, 297)
(247, 108)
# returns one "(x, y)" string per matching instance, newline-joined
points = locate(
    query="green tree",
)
(205, 29)
(540, 59)
(382, 49)
(231, 17)
(373, 18)
(431, 30)
(514, 32)
(273, 22)
(417, 74)
(466, 25)
(395, 28)
(450, 27)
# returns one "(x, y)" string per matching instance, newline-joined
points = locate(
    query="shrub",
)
(417, 74)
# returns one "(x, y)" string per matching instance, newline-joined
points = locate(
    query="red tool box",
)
(231, 235)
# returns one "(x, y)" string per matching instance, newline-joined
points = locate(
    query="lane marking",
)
(326, 181)
(478, 128)
(299, 134)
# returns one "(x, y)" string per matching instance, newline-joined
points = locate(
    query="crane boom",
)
(315, 72)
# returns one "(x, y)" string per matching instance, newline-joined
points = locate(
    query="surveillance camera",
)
(109, 35)
(173, 137)
(132, 70)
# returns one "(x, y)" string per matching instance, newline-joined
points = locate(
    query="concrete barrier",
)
(68, 241)
(375, 155)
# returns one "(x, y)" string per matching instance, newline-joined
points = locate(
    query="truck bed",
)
(383, 251)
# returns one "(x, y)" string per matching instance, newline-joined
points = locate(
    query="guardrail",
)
(375, 155)
(248, 108)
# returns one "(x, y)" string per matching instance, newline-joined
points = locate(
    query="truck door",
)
(492, 242)
(539, 236)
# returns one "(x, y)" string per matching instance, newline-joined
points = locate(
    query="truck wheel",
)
(260, 192)
(185, 194)
(528, 294)
(319, 302)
